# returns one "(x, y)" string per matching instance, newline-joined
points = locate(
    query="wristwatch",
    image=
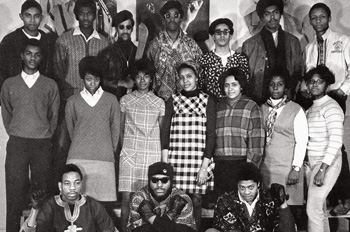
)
(296, 168)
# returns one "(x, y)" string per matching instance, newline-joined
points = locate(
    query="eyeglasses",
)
(164, 180)
(319, 82)
(175, 16)
(223, 32)
(128, 27)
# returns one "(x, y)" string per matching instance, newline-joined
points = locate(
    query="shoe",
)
(341, 209)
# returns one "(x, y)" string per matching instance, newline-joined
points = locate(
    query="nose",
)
(72, 187)
(246, 191)
(275, 87)
(159, 183)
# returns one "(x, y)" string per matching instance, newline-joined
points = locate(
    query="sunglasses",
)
(128, 27)
(224, 32)
(175, 16)
(164, 180)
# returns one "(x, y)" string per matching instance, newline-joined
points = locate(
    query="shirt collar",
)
(98, 92)
(138, 94)
(26, 75)
(253, 203)
(38, 37)
(94, 34)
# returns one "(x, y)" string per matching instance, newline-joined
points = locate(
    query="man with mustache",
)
(252, 208)
(160, 206)
(70, 211)
(270, 49)
(120, 56)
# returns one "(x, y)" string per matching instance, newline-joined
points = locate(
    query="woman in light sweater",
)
(325, 122)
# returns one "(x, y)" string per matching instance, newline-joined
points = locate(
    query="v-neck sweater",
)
(94, 131)
(30, 112)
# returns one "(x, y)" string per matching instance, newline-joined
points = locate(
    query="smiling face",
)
(159, 188)
(172, 20)
(31, 18)
(222, 35)
(232, 87)
(91, 83)
(277, 87)
(248, 189)
(188, 79)
(143, 82)
(70, 187)
(319, 20)
(271, 18)
(317, 86)
(86, 18)
(31, 59)
(124, 30)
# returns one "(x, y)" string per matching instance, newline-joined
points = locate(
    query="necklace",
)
(130, 53)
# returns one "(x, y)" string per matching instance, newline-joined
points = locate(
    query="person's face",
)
(172, 20)
(31, 58)
(160, 184)
(222, 35)
(124, 30)
(248, 190)
(319, 20)
(188, 79)
(143, 82)
(271, 18)
(86, 17)
(277, 87)
(91, 83)
(70, 187)
(31, 18)
(232, 87)
(317, 86)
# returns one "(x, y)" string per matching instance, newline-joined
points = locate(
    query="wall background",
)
(233, 9)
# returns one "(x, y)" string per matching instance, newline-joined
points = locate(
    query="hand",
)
(293, 177)
(146, 210)
(278, 194)
(319, 178)
(38, 199)
(202, 176)
(192, 10)
(177, 203)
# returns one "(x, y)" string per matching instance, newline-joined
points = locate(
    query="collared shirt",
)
(38, 37)
(94, 34)
(251, 206)
(275, 37)
(30, 79)
(91, 99)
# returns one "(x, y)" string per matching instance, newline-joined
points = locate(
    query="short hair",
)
(143, 65)
(93, 65)
(239, 75)
(29, 4)
(248, 171)
(323, 72)
(283, 74)
(171, 4)
(320, 5)
(32, 42)
(225, 21)
(70, 168)
(84, 3)
(263, 4)
(191, 65)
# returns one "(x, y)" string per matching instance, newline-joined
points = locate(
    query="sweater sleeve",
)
(301, 133)
(256, 136)
(115, 123)
(6, 107)
(346, 49)
(70, 117)
(334, 117)
(60, 61)
(210, 129)
(52, 113)
(169, 111)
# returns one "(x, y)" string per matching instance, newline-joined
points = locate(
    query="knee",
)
(197, 200)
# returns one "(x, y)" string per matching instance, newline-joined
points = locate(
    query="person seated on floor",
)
(252, 208)
(70, 211)
(160, 206)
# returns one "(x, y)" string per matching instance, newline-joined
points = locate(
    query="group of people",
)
(248, 127)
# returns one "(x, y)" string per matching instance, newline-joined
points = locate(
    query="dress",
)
(188, 135)
(94, 132)
(213, 68)
(141, 144)
(287, 149)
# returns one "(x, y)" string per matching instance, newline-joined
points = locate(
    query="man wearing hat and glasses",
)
(120, 56)
(171, 48)
(160, 206)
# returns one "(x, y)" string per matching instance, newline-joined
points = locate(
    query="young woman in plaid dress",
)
(189, 137)
(141, 119)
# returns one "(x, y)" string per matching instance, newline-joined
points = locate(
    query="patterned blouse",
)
(213, 68)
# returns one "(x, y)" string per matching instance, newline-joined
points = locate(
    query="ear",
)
(60, 186)
(330, 19)
(22, 55)
(21, 16)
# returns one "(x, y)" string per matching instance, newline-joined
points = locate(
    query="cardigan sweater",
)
(11, 48)
(94, 131)
(30, 112)
(325, 120)
(69, 50)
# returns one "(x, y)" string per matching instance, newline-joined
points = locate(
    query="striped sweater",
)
(325, 121)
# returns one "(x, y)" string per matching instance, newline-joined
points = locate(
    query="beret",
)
(121, 17)
(162, 169)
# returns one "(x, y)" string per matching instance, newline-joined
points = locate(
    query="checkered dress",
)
(187, 141)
